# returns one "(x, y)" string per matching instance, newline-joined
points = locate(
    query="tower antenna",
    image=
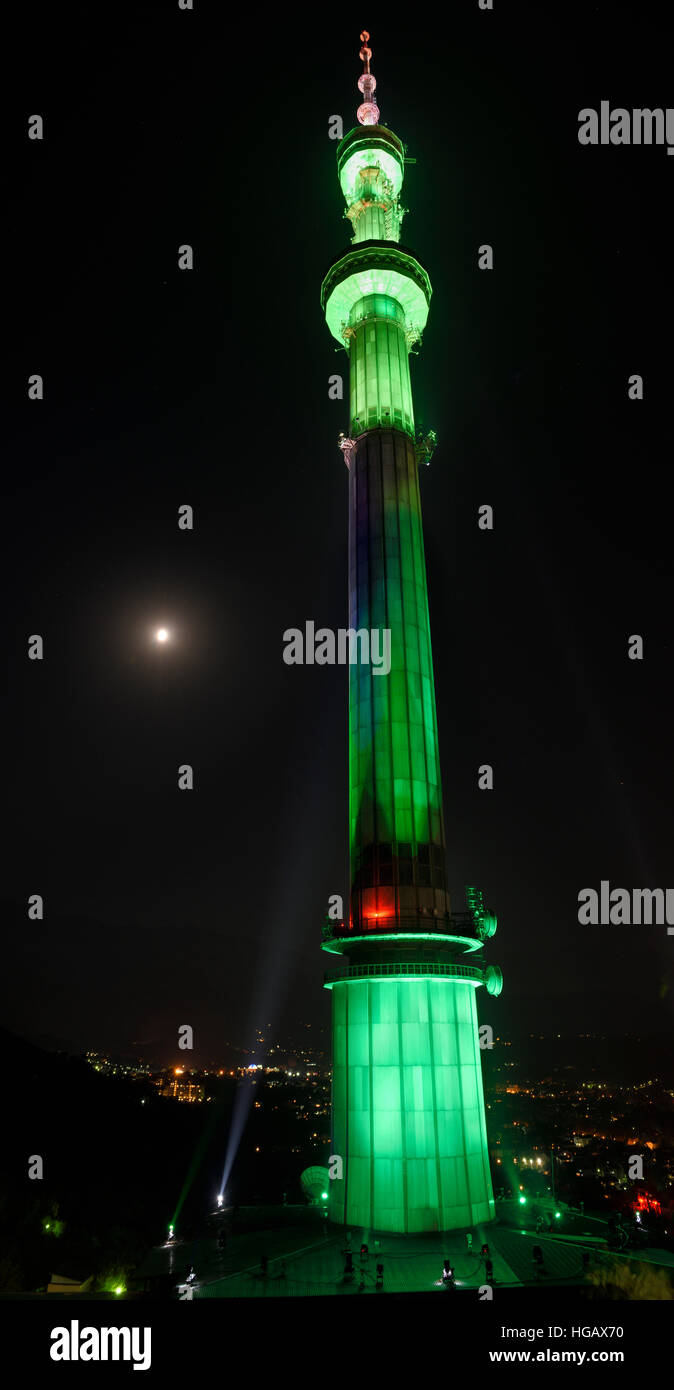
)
(368, 111)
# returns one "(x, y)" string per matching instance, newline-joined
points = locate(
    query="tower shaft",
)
(397, 838)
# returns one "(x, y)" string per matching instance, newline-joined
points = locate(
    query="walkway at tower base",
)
(413, 1265)
(306, 1259)
(313, 1254)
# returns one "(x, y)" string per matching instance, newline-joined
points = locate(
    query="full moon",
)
(162, 634)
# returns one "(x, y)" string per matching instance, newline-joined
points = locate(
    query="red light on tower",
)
(646, 1203)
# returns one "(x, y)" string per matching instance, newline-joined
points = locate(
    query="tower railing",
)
(389, 968)
(461, 924)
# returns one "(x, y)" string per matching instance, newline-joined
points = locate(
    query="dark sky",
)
(210, 388)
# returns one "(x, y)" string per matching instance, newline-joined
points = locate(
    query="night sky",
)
(210, 388)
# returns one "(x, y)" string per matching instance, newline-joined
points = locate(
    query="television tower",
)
(407, 1101)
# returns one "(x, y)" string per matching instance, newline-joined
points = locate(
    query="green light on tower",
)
(407, 1103)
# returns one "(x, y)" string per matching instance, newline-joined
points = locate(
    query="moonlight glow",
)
(161, 634)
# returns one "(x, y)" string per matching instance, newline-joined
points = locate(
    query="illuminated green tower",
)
(407, 1103)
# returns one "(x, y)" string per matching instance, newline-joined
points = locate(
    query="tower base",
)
(408, 1106)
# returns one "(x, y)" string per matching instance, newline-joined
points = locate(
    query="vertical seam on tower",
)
(413, 468)
(482, 1115)
(438, 1168)
(353, 524)
(403, 360)
(377, 424)
(403, 1138)
(370, 1070)
(346, 1099)
(370, 683)
(431, 679)
(382, 490)
(404, 632)
(455, 985)
(353, 484)
(385, 328)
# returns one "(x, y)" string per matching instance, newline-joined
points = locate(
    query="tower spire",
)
(368, 111)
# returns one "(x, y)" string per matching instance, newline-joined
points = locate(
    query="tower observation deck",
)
(407, 1104)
